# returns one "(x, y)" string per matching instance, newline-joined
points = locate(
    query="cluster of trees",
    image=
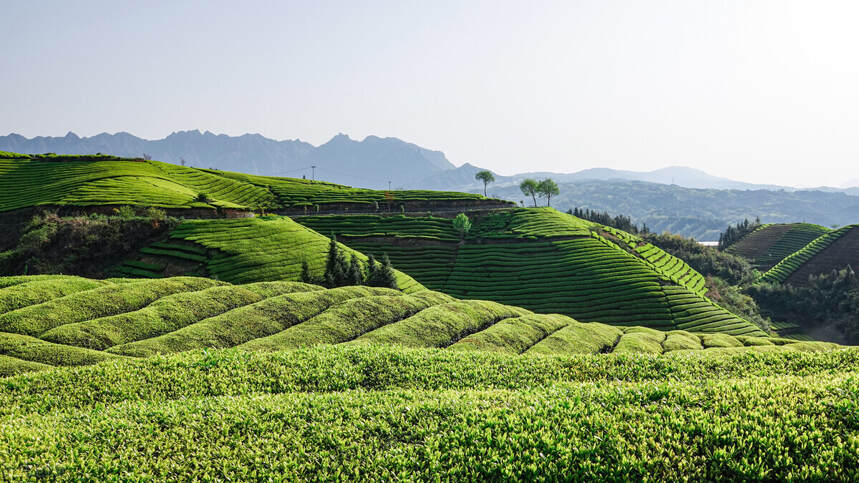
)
(734, 233)
(341, 271)
(620, 222)
(826, 299)
(545, 189)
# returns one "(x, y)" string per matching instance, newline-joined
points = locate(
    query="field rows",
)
(388, 413)
(118, 319)
(104, 180)
(785, 268)
(770, 244)
(582, 275)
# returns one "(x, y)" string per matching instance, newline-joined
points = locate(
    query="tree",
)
(337, 268)
(306, 277)
(382, 276)
(387, 278)
(547, 188)
(356, 271)
(529, 188)
(486, 177)
(462, 225)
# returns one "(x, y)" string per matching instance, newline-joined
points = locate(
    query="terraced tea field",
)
(770, 244)
(120, 318)
(547, 262)
(383, 413)
(833, 251)
(85, 181)
(240, 251)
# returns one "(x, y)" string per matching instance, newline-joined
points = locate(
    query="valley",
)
(144, 305)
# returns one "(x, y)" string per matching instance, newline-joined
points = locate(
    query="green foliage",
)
(530, 187)
(265, 249)
(705, 260)
(620, 222)
(426, 414)
(641, 340)
(827, 300)
(38, 289)
(103, 301)
(10, 366)
(485, 176)
(462, 225)
(144, 318)
(442, 325)
(514, 335)
(578, 338)
(260, 319)
(784, 269)
(735, 233)
(31, 349)
(547, 262)
(348, 320)
(165, 315)
(86, 246)
(769, 244)
(547, 188)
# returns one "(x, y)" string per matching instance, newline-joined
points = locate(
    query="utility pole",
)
(313, 177)
(389, 186)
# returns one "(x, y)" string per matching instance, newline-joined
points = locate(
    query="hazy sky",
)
(761, 91)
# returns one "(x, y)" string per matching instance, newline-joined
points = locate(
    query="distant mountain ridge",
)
(371, 163)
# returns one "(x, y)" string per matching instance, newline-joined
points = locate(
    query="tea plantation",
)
(88, 181)
(834, 250)
(544, 261)
(535, 346)
(769, 244)
(120, 318)
(369, 412)
(240, 251)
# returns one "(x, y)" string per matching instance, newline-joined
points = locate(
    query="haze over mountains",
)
(683, 200)
(369, 163)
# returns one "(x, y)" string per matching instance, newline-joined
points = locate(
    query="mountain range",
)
(683, 200)
(370, 163)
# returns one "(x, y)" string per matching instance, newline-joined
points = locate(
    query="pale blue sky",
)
(762, 91)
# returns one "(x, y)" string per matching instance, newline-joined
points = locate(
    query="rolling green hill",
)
(383, 413)
(87, 181)
(834, 250)
(769, 244)
(545, 261)
(120, 318)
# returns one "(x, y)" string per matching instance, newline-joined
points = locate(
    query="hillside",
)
(697, 213)
(544, 261)
(421, 414)
(105, 181)
(770, 244)
(834, 250)
(69, 321)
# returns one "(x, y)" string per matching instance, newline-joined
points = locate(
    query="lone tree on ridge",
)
(529, 187)
(548, 188)
(486, 177)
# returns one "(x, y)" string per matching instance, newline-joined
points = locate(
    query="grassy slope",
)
(106, 180)
(545, 261)
(148, 317)
(264, 249)
(770, 244)
(785, 268)
(392, 413)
